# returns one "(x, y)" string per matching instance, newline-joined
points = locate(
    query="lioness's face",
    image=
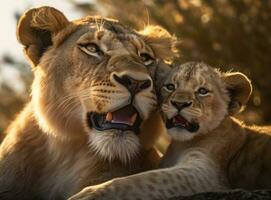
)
(113, 81)
(116, 87)
(194, 100)
(93, 78)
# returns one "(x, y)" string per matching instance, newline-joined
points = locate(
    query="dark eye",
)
(147, 59)
(203, 91)
(170, 87)
(91, 49)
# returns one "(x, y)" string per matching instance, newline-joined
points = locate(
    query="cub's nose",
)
(133, 85)
(181, 105)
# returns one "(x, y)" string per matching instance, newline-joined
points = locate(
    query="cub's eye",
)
(91, 49)
(147, 59)
(203, 91)
(170, 87)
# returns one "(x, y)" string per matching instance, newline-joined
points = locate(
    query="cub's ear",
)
(36, 28)
(161, 42)
(239, 88)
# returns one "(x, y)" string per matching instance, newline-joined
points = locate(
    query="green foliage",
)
(11, 101)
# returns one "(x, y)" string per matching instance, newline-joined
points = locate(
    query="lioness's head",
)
(196, 98)
(93, 77)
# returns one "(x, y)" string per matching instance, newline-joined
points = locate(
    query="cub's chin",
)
(115, 144)
(180, 134)
(181, 129)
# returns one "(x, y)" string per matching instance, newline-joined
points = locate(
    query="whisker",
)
(96, 23)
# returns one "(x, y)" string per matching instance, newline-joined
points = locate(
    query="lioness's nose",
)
(133, 85)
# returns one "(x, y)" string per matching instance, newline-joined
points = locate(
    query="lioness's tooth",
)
(109, 117)
(133, 118)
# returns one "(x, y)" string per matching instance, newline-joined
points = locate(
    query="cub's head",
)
(93, 78)
(196, 98)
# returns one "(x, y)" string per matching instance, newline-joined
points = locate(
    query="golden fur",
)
(221, 154)
(49, 151)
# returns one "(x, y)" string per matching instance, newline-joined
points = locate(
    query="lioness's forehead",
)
(106, 23)
(113, 37)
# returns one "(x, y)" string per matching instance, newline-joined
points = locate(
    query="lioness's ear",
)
(36, 28)
(239, 88)
(162, 43)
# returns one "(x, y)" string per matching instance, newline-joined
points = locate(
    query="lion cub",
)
(210, 150)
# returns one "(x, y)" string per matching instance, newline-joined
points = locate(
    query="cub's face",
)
(93, 79)
(196, 98)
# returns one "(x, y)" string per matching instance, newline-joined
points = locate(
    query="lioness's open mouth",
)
(179, 121)
(125, 118)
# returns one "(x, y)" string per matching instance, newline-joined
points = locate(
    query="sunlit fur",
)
(224, 154)
(115, 145)
(50, 152)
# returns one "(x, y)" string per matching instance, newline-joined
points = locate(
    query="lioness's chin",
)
(115, 144)
(181, 134)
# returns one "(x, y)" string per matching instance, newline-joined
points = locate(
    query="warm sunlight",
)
(135, 100)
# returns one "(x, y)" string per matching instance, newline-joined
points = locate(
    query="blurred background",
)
(229, 34)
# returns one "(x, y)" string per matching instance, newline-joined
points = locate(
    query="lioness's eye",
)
(170, 87)
(147, 59)
(203, 91)
(91, 49)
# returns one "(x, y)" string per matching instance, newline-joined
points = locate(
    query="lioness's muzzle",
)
(124, 119)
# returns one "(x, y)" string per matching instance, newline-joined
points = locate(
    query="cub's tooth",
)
(109, 117)
(133, 118)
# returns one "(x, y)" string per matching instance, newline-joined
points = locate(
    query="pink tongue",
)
(124, 115)
(179, 119)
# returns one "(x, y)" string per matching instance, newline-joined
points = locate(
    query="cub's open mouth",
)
(179, 121)
(125, 118)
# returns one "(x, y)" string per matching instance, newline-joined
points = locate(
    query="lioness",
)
(210, 150)
(92, 96)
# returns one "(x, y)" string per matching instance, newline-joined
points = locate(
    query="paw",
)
(92, 193)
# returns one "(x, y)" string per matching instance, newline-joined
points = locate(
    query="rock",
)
(230, 195)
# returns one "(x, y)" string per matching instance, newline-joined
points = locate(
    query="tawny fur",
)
(223, 154)
(48, 151)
